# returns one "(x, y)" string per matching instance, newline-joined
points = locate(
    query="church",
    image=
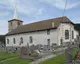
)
(56, 31)
(51, 31)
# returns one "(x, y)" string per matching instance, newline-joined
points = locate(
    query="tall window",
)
(48, 32)
(48, 41)
(21, 40)
(14, 41)
(7, 41)
(18, 23)
(72, 34)
(66, 34)
(61, 40)
(31, 39)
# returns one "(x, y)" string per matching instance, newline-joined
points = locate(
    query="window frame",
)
(18, 23)
(72, 34)
(48, 32)
(30, 39)
(21, 40)
(7, 41)
(66, 34)
(48, 41)
(14, 40)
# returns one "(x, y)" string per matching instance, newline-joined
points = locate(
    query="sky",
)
(35, 10)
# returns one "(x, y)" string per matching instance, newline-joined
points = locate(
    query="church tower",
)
(15, 22)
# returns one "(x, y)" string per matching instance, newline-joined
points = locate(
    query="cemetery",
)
(27, 55)
(57, 60)
(12, 58)
(42, 54)
(65, 53)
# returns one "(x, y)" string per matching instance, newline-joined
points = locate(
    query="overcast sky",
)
(36, 10)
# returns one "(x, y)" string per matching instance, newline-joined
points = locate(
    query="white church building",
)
(59, 31)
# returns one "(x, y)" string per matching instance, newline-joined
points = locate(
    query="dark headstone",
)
(24, 51)
(28, 53)
(68, 53)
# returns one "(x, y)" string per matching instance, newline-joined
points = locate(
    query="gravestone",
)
(24, 52)
(69, 53)
(28, 52)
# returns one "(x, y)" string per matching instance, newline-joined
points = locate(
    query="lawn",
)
(5, 55)
(15, 58)
(16, 61)
(60, 59)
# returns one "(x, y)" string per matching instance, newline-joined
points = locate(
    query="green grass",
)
(16, 61)
(5, 55)
(60, 59)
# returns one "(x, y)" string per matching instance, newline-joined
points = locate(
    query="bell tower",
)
(14, 22)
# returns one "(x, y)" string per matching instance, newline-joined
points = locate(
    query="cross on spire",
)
(15, 16)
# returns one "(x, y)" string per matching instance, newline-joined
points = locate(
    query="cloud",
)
(61, 3)
(32, 10)
(29, 8)
(3, 27)
(6, 13)
(26, 7)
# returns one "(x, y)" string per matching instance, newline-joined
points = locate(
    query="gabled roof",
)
(41, 25)
(15, 20)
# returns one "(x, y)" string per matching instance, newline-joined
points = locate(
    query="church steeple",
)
(15, 22)
(15, 16)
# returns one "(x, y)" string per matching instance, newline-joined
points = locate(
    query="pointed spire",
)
(15, 11)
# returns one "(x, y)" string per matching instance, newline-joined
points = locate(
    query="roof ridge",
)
(40, 25)
(45, 20)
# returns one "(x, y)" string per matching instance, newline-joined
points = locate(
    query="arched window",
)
(21, 40)
(66, 34)
(48, 42)
(14, 41)
(7, 41)
(48, 32)
(31, 39)
(72, 34)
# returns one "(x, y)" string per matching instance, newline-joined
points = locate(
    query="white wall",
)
(61, 32)
(38, 38)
